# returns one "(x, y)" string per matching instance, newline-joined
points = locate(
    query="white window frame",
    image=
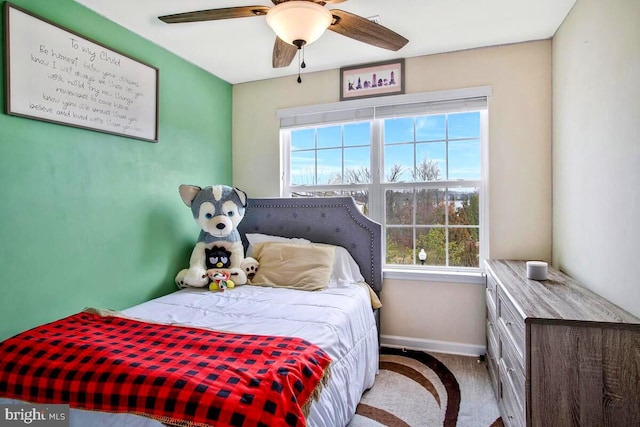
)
(365, 109)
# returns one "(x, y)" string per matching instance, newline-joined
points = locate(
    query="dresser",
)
(557, 353)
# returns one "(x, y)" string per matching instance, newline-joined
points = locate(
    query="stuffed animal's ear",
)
(242, 195)
(188, 193)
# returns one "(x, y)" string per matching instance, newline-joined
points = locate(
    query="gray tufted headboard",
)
(332, 220)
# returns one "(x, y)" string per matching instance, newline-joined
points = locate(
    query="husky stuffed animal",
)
(217, 209)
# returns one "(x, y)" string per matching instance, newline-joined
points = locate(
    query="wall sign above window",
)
(376, 79)
(56, 75)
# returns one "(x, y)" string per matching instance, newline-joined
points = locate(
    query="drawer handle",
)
(508, 323)
(510, 370)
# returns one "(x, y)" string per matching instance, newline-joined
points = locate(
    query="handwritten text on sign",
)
(59, 76)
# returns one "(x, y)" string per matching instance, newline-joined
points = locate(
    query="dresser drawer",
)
(492, 290)
(514, 369)
(491, 308)
(492, 356)
(513, 411)
(492, 340)
(512, 322)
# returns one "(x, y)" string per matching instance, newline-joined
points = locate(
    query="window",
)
(415, 167)
(332, 160)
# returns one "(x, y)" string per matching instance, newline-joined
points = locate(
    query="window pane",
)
(464, 159)
(398, 130)
(431, 128)
(303, 167)
(432, 161)
(464, 206)
(330, 136)
(305, 193)
(430, 207)
(398, 163)
(464, 125)
(329, 166)
(433, 241)
(303, 139)
(399, 204)
(361, 197)
(463, 247)
(399, 246)
(356, 165)
(357, 134)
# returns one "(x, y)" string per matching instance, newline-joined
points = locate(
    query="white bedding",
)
(339, 320)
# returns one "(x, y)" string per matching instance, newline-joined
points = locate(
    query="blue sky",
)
(429, 142)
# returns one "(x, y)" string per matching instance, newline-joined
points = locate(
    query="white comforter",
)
(339, 320)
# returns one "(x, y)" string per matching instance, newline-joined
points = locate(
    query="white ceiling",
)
(239, 50)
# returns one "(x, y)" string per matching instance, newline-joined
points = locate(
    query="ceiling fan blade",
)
(361, 29)
(215, 14)
(283, 53)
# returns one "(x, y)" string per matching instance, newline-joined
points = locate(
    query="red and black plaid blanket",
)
(178, 375)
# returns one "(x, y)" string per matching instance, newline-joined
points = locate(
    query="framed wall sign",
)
(56, 75)
(376, 79)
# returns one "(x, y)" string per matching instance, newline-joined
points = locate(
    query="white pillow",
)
(345, 270)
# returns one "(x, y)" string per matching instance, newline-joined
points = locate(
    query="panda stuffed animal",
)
(218, 210)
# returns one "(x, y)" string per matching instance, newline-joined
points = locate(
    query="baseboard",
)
(432, 345)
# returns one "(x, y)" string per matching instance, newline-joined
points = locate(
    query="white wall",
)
(520, 169)
(596, 148)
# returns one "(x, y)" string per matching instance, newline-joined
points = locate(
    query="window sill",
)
(473, 277)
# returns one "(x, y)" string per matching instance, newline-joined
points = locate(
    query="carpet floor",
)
(418, 389)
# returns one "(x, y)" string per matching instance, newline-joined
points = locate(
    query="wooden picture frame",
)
(374, 79)
(56, 75)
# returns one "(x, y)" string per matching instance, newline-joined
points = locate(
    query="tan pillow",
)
(289, 265)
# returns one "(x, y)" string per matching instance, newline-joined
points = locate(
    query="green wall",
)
(92, 219)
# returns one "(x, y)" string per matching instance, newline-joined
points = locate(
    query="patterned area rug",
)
(418, 389)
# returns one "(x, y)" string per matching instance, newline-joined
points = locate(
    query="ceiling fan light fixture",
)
(295, 21)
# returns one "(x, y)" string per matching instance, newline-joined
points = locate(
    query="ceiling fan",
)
(300, 22)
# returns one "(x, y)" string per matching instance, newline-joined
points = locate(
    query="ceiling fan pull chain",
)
(299, 78)
(300, 65)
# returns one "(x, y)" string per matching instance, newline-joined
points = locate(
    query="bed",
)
(339, 323)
